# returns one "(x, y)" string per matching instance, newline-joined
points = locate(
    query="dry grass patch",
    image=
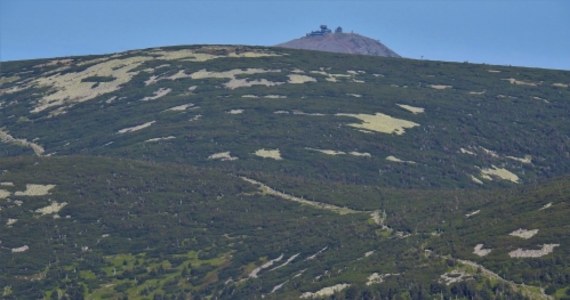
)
(70, 88)
(154, 140)
(524, 233)
(547, 205)
(545, 250)
(182, 107)
(4, 194)
(36, 190)
(440, 86)
(327, 151)
(223, 156)
(269, 153)
(501, 173)
(380, 122)
(11, 222)
(299, 79)
(397, 160)
(239, 83)
(235, 111)
(477, 93)
(325, 292)
(413, 109)
(20, 249)
(560, 85)
(53, 208)
(136, 128)
(476, 180)
(6, 183)
(480, 251)
(521, 82)
(527, 159)
(157, 94)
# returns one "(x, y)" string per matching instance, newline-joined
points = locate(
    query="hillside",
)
(241, 172)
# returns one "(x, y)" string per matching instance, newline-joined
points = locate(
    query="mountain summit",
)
(338, 41)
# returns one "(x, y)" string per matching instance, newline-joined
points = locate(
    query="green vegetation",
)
(149, 213)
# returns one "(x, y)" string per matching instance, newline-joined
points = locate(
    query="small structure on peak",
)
(338, 30)
(324, 30)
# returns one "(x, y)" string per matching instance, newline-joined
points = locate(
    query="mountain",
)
(339, 42)
(237, 172)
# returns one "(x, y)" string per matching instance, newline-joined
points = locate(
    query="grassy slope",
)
(180, 223)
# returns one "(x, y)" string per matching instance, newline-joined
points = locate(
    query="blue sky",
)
(506, 32)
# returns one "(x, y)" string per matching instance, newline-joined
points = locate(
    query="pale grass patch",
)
(269, 153)
(545, 250)
(4, 194)
(11, 222)
(560, 85)
(327, 151)
(480, 251)
(326, 291)
(275, 97)
(380, 122)
(157, 94)
(397, 160)
(239, 83)
(250, 96)
(477, 93)
(376, 278)
(8, 79)
(299, 79)
(69, 88)
(231, 74)
(527, 159)
(440, 86)
(136, 128)
(413, 109)
(20, 249)
(255, 272)
(520, 82)
(493, 71)
(53, 208)
(235, 111)
(355, 95)
(547, 205)
(465, 151)
(501, 173)
(36, 190)
(476, 180)
(223, 156)
(151, 80)
(473, 213)
(524, 233)
(361, 154)
(182, 107)
(6, 183)
(154, 140)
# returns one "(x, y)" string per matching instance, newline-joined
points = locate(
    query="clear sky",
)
(507, 32)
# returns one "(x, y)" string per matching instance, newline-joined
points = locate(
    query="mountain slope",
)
(236, 172)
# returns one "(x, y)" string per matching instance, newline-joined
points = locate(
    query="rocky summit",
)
(339, 42)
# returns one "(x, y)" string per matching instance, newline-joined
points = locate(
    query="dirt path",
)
(527, 290)
(319, 205)
(5, 137)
